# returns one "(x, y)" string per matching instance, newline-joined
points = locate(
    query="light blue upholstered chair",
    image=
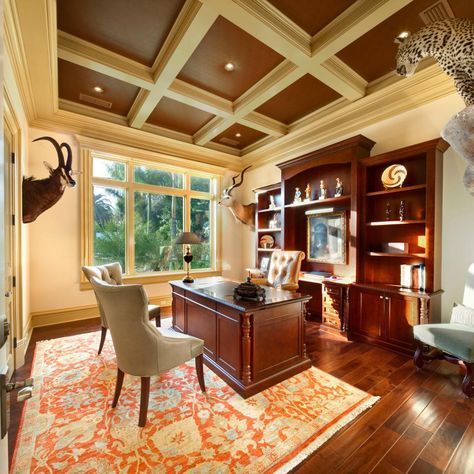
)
(453, 341)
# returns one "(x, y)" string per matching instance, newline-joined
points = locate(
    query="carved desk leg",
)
(424, 312)
(305, 312)
(246, 349)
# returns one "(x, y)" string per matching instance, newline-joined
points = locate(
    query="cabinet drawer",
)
(332, 322)
(333, 290)
(332, 302)
(328, 310)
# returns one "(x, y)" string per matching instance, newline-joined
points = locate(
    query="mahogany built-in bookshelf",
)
(381, 311)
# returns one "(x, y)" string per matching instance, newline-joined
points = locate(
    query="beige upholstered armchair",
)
(142, 349)
(453, 341)
(284, 270)
(112, 274)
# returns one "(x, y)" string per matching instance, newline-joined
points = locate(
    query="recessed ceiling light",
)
(404, 35)
(98, 89)
(229, 67)
(238, 134)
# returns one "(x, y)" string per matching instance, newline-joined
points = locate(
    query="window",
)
(137, 209)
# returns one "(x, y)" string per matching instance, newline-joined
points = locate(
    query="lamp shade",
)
(187, 238)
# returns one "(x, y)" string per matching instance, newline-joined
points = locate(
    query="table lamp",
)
(188, 238)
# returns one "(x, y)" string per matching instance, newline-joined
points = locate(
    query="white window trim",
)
(131, 157)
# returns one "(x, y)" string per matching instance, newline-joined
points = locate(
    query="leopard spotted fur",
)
(451, 43)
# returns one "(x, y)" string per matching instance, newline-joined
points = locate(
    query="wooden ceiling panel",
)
(248, 136)
(301, 98)
(74, 80)
(312, 15)
(225, 43)
(373, 54)
(178, 116)
(135, 29)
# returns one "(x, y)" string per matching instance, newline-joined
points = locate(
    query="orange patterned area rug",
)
(71, 427)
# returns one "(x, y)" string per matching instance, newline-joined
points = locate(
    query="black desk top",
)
(222, 290)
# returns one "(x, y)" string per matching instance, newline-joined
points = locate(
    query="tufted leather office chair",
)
(284, 270)
(112, 275)
(141, 349)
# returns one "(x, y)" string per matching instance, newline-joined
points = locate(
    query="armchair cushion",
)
(454, 339)
(462, 315)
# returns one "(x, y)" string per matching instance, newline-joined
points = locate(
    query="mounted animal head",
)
(41, 194)
(244, 213)
(64, 169)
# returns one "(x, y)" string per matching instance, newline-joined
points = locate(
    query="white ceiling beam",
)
(351, 24)
(275, 81)
(189, 29)
(80, 52)
(264, 124)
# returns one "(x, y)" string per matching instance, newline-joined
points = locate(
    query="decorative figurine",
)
(388, 211)
(339, 188)
(323, 192)
(272, 204)
(402, 211)
(297, 199)
(308, 192)
(273, 223)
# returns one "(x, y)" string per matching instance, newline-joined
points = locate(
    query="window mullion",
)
(130, 221)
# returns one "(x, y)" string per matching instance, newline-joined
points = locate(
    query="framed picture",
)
(264, 262)
(327, 237)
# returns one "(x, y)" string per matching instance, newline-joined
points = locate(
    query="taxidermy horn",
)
(40, 194)
(244, 213)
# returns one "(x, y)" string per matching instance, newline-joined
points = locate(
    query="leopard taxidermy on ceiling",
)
(451, 43)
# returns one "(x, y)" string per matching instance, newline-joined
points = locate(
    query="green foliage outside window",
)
(158, 219)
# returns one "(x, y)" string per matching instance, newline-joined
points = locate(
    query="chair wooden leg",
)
(200, 372)
(118, 387)
(102, 339)
(418, 357)
(158, 320)
(467, 382)
(144, 397)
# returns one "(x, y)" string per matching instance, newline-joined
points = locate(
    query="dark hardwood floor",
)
(421, 424)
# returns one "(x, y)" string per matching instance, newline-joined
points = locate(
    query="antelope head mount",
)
(40, 194)
(244, 213)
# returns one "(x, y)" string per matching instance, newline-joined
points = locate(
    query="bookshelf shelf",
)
(269, 230)
(381, 223)
(277, 209)
(386, 192)
(267, 250)
(321, 202)
(399, 255)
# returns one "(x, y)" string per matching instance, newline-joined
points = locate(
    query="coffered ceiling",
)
(160, 64)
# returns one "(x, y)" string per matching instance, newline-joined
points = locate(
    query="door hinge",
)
(13, 219)
(13, 158)
(15, 343)
(14, 281)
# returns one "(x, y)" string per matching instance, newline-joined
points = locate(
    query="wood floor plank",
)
(434, 414)
(463, 459)
(406, 450)
(444, 442)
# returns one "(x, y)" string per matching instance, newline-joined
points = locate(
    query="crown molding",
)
(191, 26)
(66, 121)
(80, 52)
(113, 148)
(15, 51)
(223, 148)
(423, 87)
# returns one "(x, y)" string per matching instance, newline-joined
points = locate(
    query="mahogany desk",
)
(250, 345)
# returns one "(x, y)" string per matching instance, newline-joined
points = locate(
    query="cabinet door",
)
(370, 314)
(402, 315)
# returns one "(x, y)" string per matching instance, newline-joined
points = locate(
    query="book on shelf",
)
(413, 276)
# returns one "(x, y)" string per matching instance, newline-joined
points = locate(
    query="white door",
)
(5, 349)
(9, 255)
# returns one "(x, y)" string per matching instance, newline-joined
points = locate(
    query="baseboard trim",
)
(78, 313)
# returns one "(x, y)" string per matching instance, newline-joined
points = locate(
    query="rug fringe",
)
(318, 442)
